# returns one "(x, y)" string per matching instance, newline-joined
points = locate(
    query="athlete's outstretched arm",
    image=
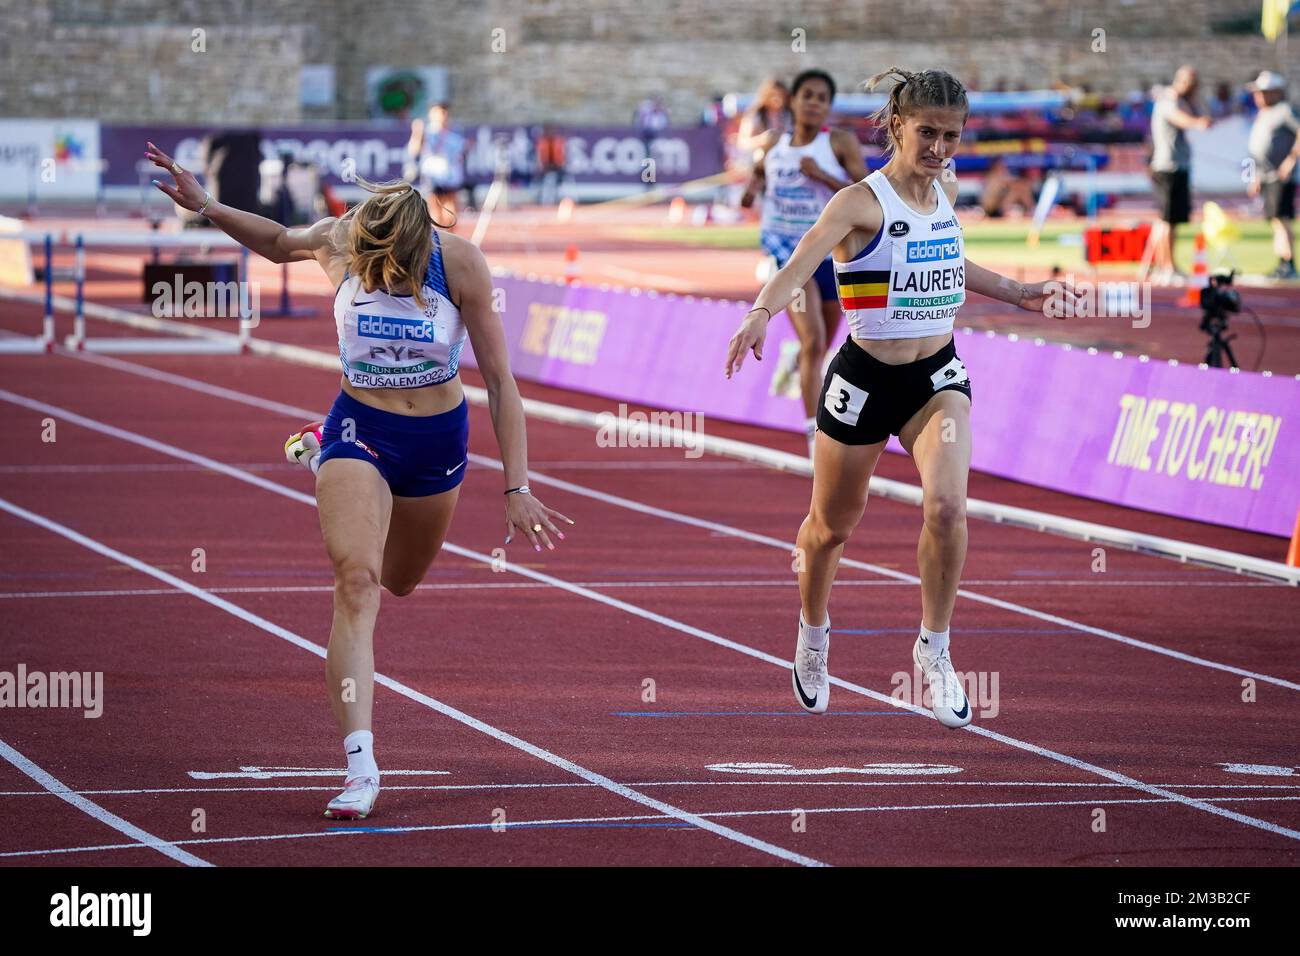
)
(468, 273)
(1031, 297)
(261, 235)
(848, 209)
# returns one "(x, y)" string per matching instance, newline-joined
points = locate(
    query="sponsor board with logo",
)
(1197, 443)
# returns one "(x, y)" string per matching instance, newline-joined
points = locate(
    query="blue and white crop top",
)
(387, 341)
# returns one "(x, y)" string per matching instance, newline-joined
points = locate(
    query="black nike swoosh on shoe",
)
(810, 703)
(351, 752)
(923, 640)
(965, 709)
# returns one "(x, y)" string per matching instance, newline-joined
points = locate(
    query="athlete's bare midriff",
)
(421, 402)
(903, 351)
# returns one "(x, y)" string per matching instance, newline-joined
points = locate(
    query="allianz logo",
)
(946, 224)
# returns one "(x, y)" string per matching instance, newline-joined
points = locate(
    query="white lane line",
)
(929, 783)
(627, 503)
(92, 469)
(446, 710)
(899, 576)
(56, 788)
(783, 582)
(637, 818)
(632, 609)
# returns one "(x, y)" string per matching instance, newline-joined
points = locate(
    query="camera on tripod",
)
(1217, 300)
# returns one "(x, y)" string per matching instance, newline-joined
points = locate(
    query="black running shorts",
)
(865, 400)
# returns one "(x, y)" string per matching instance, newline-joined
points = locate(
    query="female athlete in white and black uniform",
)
(902, 272)
(391, 455)
(799, 171)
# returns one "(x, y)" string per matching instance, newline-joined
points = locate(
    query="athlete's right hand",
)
(748, 337)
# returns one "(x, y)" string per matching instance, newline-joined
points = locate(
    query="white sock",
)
(933, 642)
(815, 637)
(360, 748)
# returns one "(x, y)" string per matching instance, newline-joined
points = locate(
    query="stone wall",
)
(581, 60)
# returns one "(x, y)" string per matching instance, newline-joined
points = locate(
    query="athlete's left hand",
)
(1036, 295)
(808, 166)
(529, 515)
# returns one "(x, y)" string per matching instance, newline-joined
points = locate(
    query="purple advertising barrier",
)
(1203, 444)
(378, 152)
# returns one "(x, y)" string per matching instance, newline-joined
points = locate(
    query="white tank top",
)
(792, 201)
(911, 279)
(387, 341)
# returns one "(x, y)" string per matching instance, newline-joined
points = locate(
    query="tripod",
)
(1215, 326)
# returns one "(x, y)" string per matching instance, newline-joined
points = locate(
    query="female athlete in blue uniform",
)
(902, 272)
(799, 171)
(391, 455)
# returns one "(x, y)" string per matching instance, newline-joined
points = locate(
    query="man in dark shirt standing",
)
(1274, 149)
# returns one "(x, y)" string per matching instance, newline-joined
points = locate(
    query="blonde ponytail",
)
(390, 238)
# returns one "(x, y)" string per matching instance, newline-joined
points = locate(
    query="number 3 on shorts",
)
(844, 400)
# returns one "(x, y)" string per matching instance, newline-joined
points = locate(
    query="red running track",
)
(518, 697)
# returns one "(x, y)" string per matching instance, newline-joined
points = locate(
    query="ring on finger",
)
(537, 527)
(176, 168)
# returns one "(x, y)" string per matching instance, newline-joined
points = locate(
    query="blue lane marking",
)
(758, 713)
(964, 630)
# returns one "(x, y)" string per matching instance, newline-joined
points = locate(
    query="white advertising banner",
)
(49, 159)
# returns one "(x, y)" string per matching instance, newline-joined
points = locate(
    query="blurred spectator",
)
(437, 162)
(1274, 148)
(651, 119)
(550, 161)
(713, 114)
(1221, 104)
(1171, 159)
(1003, 189)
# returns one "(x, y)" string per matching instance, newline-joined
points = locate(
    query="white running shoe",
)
(303, 447)
(356, 801)
(809, 674)
(947, 696)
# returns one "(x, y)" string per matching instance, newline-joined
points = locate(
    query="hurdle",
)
(38, 344)
(182, 338)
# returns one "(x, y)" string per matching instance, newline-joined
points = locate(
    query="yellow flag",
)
(1273, 20)
(1219, 230)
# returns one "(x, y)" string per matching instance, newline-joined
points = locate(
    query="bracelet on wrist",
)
(207, 200)
(521, 490)
(760, 308)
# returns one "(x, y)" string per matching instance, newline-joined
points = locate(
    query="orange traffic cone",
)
(1293, 553)
(571, 263)
(1200, 276)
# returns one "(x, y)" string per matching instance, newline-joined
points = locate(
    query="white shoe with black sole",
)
(947, 696)
(811, 680)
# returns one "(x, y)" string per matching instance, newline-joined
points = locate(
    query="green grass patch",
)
(1005, 244)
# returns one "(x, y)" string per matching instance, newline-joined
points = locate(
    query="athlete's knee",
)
(356, 587)
(399, 587)
(832, 530)
(945, 513)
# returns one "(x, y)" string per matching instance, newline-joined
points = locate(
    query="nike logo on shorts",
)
(458, 467)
